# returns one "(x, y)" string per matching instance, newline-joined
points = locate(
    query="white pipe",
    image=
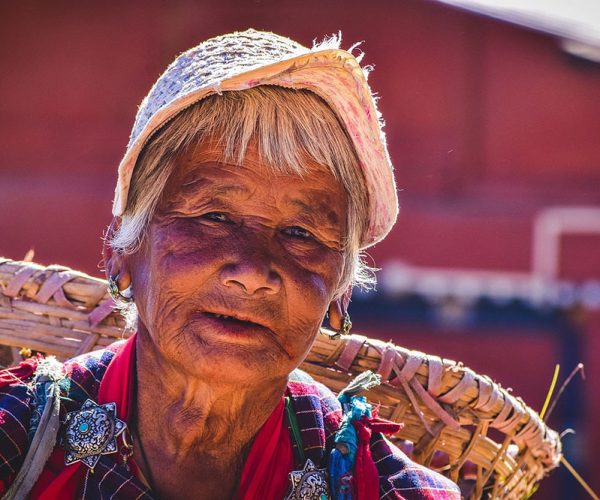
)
(540, 285)
(549, 227)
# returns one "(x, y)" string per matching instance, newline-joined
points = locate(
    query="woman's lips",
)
(225, 316)
(239, 330)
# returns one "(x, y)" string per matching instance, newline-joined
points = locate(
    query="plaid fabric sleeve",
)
(15, 415)
(332, 413)
(83, 375)
(17, 406)
(323, 402)
(401, 478)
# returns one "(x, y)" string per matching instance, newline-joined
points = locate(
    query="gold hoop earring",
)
(119, 295)
(344, 330)
(346, 325)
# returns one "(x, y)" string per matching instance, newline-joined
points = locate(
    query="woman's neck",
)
(185, 420)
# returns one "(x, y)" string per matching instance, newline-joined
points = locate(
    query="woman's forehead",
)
(201, 176)
(254, 150)
(207, 159)
(215, 178)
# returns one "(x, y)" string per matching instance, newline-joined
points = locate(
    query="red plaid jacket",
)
(317, 409)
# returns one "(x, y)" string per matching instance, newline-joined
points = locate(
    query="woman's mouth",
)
(237, 329)
(231, 318)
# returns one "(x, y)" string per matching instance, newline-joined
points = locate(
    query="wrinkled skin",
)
(262, 249)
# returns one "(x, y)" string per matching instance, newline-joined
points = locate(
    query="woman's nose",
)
(251, 278)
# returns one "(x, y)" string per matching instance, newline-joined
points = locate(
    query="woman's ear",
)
(336, 316)
(115, 262)
(338, 310)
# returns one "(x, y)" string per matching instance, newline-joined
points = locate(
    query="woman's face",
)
(239, 266)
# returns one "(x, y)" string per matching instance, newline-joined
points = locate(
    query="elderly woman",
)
(255, 174)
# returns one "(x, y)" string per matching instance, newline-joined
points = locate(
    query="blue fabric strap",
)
(343, 456)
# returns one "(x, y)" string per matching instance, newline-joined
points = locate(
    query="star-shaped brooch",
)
(309, 483)
(90, 432)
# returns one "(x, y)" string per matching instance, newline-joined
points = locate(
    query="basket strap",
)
(454, 394)
(388, 358)
(101, 312)
(411, 365)
(295, 435)
(508, 423)
(19, 279)
(486, 392)
(406, 379)
(353, 345)
(531, 430)
(434, 378)
(52, 287)
(491, 394)
(503, 415)
(434, 406)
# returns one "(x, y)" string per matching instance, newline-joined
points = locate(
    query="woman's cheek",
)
(313, 256)
(174, 270)
(313, 292)
(186, 244)
(326, 269)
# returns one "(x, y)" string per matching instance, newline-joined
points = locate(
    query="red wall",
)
(486, 122)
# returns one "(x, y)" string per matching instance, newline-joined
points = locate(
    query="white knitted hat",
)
(243, 60)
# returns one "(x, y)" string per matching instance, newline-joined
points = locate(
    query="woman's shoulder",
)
(20, 394)
(16, 407)
(314, 397)
(300, 383)
(318, 411)
(84, 373)
(399, 476)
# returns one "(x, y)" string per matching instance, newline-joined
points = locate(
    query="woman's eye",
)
(216, 216)
(298, 232)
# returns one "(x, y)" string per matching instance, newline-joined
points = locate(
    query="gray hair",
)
(287, 125)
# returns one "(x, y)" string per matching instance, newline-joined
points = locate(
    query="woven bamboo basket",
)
(455, 420)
